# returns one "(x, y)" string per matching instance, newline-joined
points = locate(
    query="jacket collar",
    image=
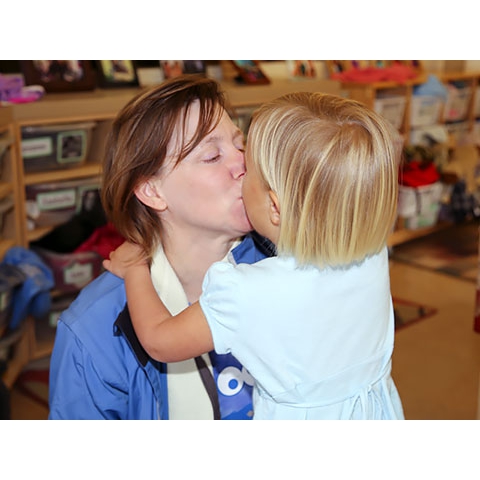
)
(123, 325)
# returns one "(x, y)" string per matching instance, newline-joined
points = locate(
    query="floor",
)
(436, 362)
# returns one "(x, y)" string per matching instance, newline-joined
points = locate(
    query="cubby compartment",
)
(457, 103)
(424, 110)
(51, 204)
(50, 147)
(10, 233)
(419, 206)
(72, 271)
(392, 108)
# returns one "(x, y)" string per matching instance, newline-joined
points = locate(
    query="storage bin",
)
(392, 109)
(424, 110)
(50, 204)
(419, 206)
(425, 136)
(71, 271)
(458, 101)
(50, 147)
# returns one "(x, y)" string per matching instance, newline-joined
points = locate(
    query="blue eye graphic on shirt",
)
(231, 380)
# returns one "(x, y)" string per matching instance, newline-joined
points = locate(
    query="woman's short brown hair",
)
(137, 146)
(333, 164)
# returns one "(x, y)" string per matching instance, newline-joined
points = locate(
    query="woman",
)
(172, 181)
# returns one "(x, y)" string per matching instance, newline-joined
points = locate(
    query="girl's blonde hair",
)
(333, 164)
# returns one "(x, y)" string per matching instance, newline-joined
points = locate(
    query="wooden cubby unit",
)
(99, 106)
(368, 93)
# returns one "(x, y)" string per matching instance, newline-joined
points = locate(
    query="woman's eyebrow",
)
(238, 133)
(214, 138)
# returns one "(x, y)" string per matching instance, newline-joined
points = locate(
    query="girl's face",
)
(203, 193)
(260, 202)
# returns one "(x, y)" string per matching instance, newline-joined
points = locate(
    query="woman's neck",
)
(191, 258)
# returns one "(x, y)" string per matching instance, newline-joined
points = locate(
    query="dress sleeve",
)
(220, 302)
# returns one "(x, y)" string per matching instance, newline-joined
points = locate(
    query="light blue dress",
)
(318, 342)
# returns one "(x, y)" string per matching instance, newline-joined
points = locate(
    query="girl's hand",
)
(126, 256)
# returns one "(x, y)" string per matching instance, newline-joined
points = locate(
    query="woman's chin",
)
(243, 222)
(245, 226)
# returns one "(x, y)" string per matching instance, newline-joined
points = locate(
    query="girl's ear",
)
(148, 193)
(274, 208)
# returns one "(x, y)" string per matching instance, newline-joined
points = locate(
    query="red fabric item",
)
(396, 73)
(416, 174)
(102, 241)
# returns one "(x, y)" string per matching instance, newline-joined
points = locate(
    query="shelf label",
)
(37, 147)
(57, 200)
(78, 274)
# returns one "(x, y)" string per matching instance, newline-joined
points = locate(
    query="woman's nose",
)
(238, 163)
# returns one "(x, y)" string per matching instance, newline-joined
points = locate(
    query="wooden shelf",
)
(72, 107)
(404, 235)
(422, 78)
(38, 233)
(85, 171)
(252, 95)
(458, 76)
(22, 344)
(5, 189)
(101, 107)
(367, 93)
(5, 245)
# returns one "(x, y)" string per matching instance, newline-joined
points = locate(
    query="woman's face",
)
(203, 193)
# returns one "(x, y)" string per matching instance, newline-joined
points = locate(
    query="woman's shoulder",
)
(100, 301)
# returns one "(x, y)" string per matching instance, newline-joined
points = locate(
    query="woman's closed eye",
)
(212, 158)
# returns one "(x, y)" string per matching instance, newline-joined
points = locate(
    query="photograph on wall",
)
(174, 68)
(59, 75)
(249, 72)
(299, 69)
(116, 73)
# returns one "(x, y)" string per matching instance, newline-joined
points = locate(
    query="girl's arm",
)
(164, 337)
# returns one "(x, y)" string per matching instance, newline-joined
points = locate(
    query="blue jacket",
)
(98, 369)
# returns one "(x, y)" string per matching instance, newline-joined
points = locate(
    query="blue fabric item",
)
(432, 87)
(95, 372)
(234, 383)
(33, 296)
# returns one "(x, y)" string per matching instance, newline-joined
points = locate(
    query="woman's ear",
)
(147, 192)
(274, 209)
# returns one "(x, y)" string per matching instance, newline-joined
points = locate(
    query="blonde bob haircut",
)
(333, 164)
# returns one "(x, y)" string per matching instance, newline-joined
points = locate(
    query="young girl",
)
(314, 326)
